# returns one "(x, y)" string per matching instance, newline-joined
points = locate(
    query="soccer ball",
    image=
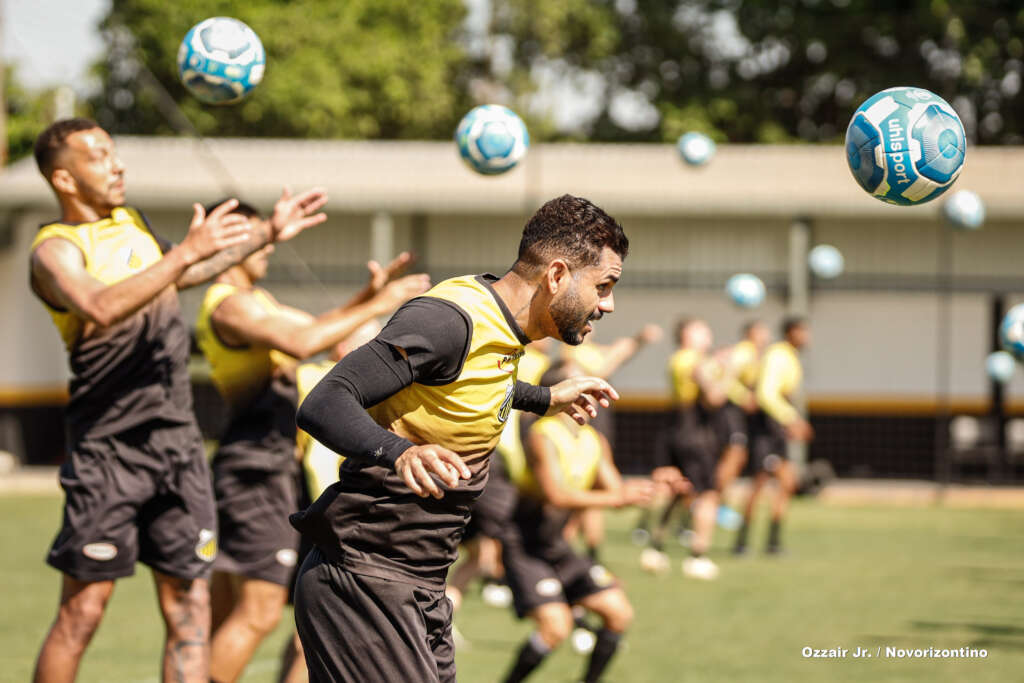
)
(492, 139)
(220, 60)
(1011, 332)
(964, 210)
(745, 290)
(1000, 366)
(826, 261)
(696, 149)
(905, 145)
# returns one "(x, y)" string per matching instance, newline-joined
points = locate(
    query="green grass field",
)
(868, 577)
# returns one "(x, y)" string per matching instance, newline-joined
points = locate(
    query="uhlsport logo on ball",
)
(905, 145)
(221, 60)
(492, 139)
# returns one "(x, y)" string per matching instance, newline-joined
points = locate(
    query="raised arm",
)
(60, 275)
(241, 319)
(292, 215)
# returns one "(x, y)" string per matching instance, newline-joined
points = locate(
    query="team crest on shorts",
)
(548, 587)
(601, 576)
(101, 552)
(286, 557)
(206, 548)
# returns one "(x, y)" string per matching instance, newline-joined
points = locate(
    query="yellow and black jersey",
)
(743, 366)
(135, 370)
(258, 385)
(578, 452)
(319, 463)
(681, 368)
(781, 375)
(532, 367)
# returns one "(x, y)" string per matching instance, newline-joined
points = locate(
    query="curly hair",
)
(571, 228)
(51, 141)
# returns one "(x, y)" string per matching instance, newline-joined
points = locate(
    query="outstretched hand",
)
(381, 275)
(578, 397)
(416, 464)
(220, 229)
(293, 214)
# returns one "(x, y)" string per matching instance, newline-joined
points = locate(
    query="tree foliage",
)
(353, 69)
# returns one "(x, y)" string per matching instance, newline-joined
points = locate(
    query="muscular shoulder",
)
(434, 334)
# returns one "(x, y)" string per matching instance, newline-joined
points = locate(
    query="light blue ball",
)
(1011, 332)
(1000, 366)
(826, 261)
(964, 210)
(696, 149)
(492, 139)
(905, 145)
(221, 60)
(745, 290)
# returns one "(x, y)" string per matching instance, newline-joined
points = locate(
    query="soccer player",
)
(741, 365)
(439, 382)
(253, 344)
(777, 421)
(137, 486)
(691, 442)
(570, 468)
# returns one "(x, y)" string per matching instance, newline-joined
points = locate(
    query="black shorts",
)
(256, 540)
(768, 444)
(541, 567)
(367, 629)
(731, 425)
(493, 510)
(691, 444)
(143, 495)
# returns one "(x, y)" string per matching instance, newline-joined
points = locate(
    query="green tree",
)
(28, 113)
(753, 70)
(352, 69)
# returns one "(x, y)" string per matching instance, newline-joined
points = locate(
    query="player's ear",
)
(558, 270)
(63, 181)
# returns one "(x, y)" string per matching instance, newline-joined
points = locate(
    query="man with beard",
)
(417, 410)
(136, 483)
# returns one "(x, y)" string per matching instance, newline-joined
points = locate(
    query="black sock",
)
(531, 654)
(604, 649)
(773, 533)
(592, 551)
(741, 535)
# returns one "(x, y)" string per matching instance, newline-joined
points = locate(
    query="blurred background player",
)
(253, 344)
(777, 421)
(603, 360)
(741, 365)
(691, 444)
(137, 483)
(569, 468)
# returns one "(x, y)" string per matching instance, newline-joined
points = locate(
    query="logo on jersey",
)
(206, 548)
(128, 256)
(601, 576)
(508, 362)
(101, 552)
(505, 409)
(286, 557)
(548, 587)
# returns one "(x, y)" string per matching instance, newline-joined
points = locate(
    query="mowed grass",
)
(868, 577)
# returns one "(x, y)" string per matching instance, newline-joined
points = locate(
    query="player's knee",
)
(555, 627)
(79, 619)
(265, 617)
(619, 615)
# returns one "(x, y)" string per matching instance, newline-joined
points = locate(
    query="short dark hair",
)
(572, 228)
(749, 325)
(52, 140)
(243, 209)
(790, 323)
(682, 325)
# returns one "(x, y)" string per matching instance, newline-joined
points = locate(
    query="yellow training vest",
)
(681, 366)
(532, 367)
(319, 463)
(578, 450)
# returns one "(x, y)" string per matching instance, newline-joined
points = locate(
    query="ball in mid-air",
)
(492, 139)
(964, 210)
(221, 60)
(826, 261)
(1000, 366)
(1011, 332)
(695, 148)
(905, 145)
(745, 290)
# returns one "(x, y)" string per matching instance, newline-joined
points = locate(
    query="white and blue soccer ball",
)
(492, 139)
(905, 145)
(695, 148)
(221, 60)
(964, 210)
(999, 365)
(745, 290)
(1011, 332)
(826, 261)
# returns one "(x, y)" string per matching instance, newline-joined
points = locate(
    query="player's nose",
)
(606, 304)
